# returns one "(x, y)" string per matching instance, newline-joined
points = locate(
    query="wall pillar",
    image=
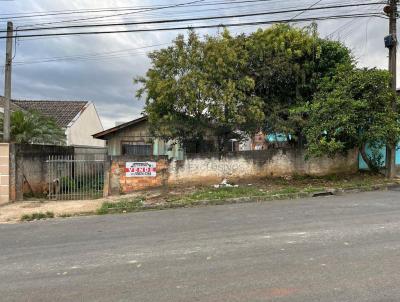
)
(4, 173)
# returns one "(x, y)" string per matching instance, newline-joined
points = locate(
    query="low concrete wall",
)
(264, 163)
(212, 168)
(29, 169)
(4, 173)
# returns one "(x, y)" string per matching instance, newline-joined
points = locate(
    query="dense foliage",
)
(31, 128)
(199, 89)
(282, 80)
(288, 64)
(354, 109)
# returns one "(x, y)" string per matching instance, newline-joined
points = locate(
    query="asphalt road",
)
(323, 249)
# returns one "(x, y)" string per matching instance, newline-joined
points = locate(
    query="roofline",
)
(49, 100)
(78, 115)
(101, 135)
(16, 107)
(98, 116)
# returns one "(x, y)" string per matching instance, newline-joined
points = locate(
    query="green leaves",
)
(199, 90)
(283, 79)
(353, 109)
(288, 64)
(31, 128)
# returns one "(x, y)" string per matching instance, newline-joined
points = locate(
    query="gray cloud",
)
(109, 82)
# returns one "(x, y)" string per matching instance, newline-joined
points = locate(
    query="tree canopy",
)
(229, 87)
(288, 64)
(32, 127)
(197, 90)
(353, 109)
(282, 80)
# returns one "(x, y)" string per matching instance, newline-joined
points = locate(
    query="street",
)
(342, 248)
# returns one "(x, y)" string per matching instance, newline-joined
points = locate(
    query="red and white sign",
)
(145, 169)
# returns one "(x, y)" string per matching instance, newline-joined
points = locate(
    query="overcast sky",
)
(101, 68)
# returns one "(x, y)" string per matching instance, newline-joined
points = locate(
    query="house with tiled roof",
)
(79, 119)
(135, 139)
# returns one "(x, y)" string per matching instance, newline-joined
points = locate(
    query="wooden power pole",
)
(391, 43)
(7, 83)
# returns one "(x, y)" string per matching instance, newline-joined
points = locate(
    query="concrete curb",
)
(250, 199)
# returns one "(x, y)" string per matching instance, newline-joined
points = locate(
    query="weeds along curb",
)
(252, 199)
(237, 200)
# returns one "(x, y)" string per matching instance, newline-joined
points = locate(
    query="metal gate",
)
(75, 179)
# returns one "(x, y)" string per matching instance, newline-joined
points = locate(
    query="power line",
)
(100, 10)
(130, 13)
(144, 10)
(345, 26)
(90, 55)
(203, 26)
(309, 8)
(302, 10)
(179, 14)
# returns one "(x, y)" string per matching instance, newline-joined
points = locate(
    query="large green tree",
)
(32, 127)
(287, 65)
(353, 109)
(200, 89)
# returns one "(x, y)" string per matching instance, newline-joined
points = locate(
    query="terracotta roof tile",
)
(63, 112)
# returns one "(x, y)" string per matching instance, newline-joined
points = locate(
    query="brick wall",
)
(212, 168)
(4, 173)
(120, 183)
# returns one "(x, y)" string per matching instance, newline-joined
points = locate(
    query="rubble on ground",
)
(225, 184)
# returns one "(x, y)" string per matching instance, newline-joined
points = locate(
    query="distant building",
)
(133, 138)
(79, 119)
(262, 141)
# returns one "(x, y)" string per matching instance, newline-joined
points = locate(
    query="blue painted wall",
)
(276, 138)
(363, 166)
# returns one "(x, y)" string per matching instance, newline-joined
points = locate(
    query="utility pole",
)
(391, 43)
(7, 83)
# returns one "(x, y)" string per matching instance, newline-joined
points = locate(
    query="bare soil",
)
(12, 213)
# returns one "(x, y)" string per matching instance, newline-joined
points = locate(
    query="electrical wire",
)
(114, 53)
(380, 15)
(302, 10)
(147, 10)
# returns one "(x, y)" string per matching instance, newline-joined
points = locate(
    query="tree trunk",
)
(365, 157)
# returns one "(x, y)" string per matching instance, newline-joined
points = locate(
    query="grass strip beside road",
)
(244, 191)
(282, 189)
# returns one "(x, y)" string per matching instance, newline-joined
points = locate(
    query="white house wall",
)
(81, 130)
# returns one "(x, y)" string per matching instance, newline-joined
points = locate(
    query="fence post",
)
(48, 169)
(107, 174)
(13, 173)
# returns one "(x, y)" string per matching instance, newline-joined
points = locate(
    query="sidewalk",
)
(243, 191)
(12, 212)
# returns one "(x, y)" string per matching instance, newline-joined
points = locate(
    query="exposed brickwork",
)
(4, 173)
(131, 184)
(212, 168)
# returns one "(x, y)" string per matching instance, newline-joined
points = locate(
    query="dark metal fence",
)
(75, 179)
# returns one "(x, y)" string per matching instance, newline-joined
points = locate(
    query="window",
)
(137, 148)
